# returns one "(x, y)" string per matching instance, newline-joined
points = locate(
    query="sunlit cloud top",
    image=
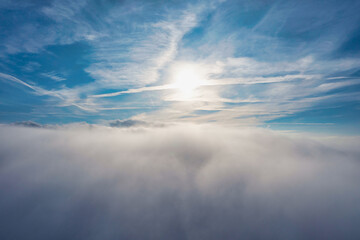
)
(280, 64)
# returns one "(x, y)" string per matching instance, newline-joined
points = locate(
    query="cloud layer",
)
(178, 182)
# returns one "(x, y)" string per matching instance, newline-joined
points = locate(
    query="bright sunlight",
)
(186, 79)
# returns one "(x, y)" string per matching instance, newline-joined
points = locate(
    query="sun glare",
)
(186, 79)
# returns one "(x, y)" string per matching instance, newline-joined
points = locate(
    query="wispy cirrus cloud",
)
(259, 60)
(54, 76)
(151, 49)
(67, 97)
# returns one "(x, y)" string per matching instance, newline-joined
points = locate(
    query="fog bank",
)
(176, 182)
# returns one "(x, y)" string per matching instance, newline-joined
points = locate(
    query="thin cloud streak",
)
(40, 91)
(211, 82)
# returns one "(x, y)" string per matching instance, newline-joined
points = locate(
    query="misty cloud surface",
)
(178, 182)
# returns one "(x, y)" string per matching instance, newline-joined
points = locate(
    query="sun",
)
(186, 79)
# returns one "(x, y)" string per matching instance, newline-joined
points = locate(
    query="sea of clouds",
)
(176, 182)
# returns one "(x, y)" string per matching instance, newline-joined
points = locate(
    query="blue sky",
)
(289, 65)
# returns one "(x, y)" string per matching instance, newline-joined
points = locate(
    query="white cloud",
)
(179, 182)
(54, 76)
(133, 45)
(146, 53)
(65, 96)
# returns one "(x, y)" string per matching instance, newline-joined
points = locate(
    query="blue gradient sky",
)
(289, 65)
